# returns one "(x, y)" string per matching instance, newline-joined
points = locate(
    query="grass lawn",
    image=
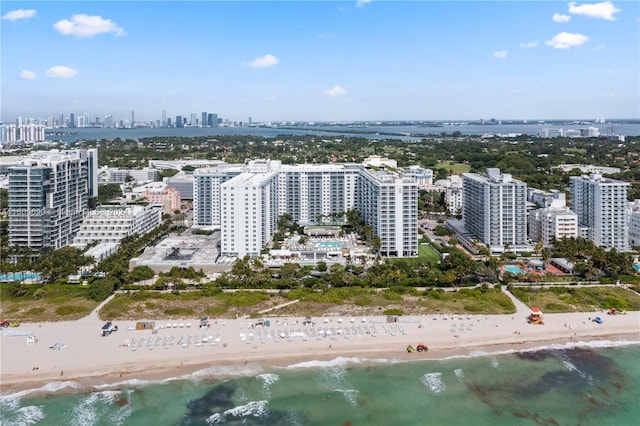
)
(577, 299)
(426, 254)
(457, 168)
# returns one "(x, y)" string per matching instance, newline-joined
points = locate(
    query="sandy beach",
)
(76, 350)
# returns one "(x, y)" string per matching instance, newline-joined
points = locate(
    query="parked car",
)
(109, 328)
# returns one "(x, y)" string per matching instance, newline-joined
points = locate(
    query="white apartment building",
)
(112, 223)
(312, 192)
(555, 221)
(424, 177)
(452, 188)
(494, 210)
(247, 201)
(49, 194)
(388, 202)
(633, 212)
(206, 193)
(249, 213)
(601, 206)
(11, 134)
(115, 175)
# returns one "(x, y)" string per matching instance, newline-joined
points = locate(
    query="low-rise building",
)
(552, 223)
(110, 224)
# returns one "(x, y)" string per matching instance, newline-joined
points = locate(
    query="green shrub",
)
(394, 311)
(363, 301)
(184, 312)
(35, 312)
(392, 295)
(65, 310)
(216, 310)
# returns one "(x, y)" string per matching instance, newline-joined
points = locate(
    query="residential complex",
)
(493, 210)
(601, 206)
(49, 194)
(245, 202)
(110, 224)
(555, 221)
(11, 134)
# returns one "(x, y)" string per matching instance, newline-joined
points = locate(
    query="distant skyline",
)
(360, 60)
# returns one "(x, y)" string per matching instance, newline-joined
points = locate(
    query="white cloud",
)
(326, 35)
(604, 10)
(500, 54)
(82, 25)
(361, 3)
(567, 40)
(336, 91)
(60, 71)
(529, 44)
(264, 61)
(557, 17)
(15, 15)
(27, 75)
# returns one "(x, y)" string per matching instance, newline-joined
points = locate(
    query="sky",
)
(321, 60)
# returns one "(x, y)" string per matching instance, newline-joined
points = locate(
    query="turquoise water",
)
(18, 276)
(594, 384)
(636, 266)
(328, 244)
(514, 269)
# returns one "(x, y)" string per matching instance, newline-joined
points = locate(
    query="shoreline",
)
(92, 361)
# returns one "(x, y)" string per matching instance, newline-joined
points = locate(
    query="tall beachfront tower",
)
(600, 204)
(245, 201)
(494, 210)
(317, 193)
(249, 212)
(206, 193)
(388, 201)
(49, 194)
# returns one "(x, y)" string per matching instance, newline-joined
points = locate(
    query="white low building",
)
(110, 224)
(552, 223)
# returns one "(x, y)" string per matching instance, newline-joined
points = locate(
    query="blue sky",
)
(325, 60)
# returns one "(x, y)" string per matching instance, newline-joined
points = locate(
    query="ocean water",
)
(576, 384)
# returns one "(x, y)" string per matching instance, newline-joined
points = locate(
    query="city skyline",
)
(322, 61)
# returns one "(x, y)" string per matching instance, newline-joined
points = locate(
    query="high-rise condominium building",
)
(494, 210)
(600, 204)
(49, 193)
(243, 200)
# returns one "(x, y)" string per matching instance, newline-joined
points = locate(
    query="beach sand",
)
(84, 356)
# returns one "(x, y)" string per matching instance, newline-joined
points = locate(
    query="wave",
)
(595, 344)
(225, 371)
(51, 387)
(98, 406)
(434, 382)
(251, 409)
(24, 416)
(341, 362)
(351, 395)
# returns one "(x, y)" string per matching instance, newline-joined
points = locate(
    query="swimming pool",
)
(19, 276)
(636, 266)
(514, 269)
(328, 244)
